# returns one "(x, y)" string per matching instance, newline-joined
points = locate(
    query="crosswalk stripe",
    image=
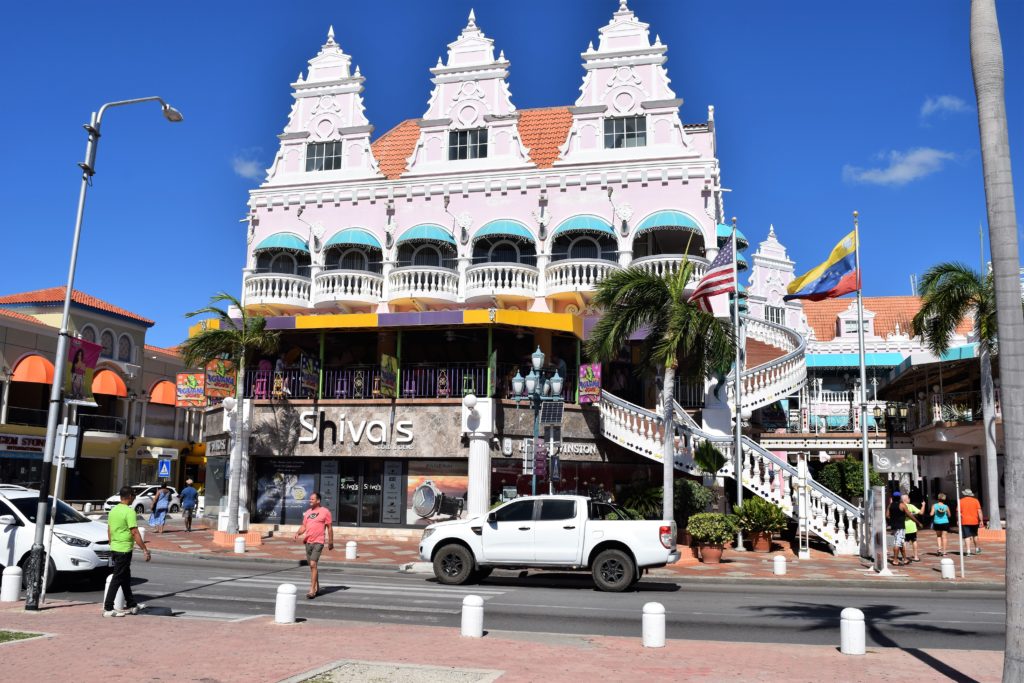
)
(321, 602)
(425, 588)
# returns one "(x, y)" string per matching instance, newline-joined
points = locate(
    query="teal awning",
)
(283, 240)
(725, 232)
(584, 224)
(852, 360)
(669, 219)
(504, 228)
(961, 352)
(741, 262)
(427, 231)
(353, 236)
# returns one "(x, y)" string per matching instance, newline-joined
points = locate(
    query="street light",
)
(537, 388)
(35, 563)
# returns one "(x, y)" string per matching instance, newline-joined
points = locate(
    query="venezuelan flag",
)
(835, 277)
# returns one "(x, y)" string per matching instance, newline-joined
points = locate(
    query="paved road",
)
(568, 604)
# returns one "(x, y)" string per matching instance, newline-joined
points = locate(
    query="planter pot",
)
(710, 554)
(761, 541)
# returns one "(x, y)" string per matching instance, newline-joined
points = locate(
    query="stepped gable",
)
(889, 311)
(55, 295)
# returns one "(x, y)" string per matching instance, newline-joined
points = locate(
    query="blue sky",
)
(821, 107)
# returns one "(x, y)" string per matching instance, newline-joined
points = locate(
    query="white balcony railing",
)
(501, 279)
(424, 282)
(668, 264)
(577, 275)
(277, 289)
(347, 287)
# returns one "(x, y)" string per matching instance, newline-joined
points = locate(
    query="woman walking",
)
(161, 503)
(898, 523)
(940, 522)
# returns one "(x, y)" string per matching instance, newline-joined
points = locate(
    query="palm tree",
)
(633, 300)
(949, 293)
(233, 339)
(989, 85)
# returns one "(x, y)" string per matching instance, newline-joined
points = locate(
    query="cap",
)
(968, 492)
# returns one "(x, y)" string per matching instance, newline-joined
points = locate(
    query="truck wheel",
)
(453, 565)
(480, 574)
(613, 571)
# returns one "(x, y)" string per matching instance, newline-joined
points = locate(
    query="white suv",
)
(144, 496)
(79, 543)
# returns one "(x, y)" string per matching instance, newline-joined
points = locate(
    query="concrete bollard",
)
(119, 602)
(779, 565)
(284, 608)
(240, 545)
(10, 587)
(948, 570)
(87, 508)
(473, 616)
(851, 631)
(654, 625)
(351, 550)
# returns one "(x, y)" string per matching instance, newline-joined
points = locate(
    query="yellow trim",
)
(559, 322)
(317, 322)
(844, 248)
(208, 324)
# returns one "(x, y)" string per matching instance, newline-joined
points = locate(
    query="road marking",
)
(341, 605)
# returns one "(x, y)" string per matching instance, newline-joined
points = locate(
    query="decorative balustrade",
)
(764, 384)
(577, 275)
(347, 286)
(497, 279)
(424, 282)
(668, 264)
(277, 289)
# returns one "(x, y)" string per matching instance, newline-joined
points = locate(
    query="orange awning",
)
(163, 392)
(33, 368)
(109, 383)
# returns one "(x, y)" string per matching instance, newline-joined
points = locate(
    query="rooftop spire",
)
(472, 19)
(330, 34)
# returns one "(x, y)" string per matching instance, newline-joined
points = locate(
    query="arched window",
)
(504, 252)
(124, 349)
(427, 255)
(584, 247)
(353, 259)
(284, 262)
(107, 342)
(89, 334)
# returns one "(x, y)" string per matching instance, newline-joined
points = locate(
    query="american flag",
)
(720, 279)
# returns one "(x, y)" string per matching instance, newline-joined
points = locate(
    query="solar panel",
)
(551, 412)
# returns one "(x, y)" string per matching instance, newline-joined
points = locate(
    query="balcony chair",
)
(468, 384)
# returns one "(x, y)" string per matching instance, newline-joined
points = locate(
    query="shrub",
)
(846, 478)
(757, 514)
(691, 497)
(712, 528)
(646, 503)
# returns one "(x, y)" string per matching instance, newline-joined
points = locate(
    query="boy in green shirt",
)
(123, 533)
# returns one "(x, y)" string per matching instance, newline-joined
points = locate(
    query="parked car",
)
(79, 543)
(144, 495)
(549, 532)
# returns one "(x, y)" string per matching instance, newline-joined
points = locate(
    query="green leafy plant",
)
(712, 528)
(624, 513)
(645, 502)
(759, 515)
(708, 458)
(691, 498)
(846, 478)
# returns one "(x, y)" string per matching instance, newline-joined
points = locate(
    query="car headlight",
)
(426, 534)
(72, 540)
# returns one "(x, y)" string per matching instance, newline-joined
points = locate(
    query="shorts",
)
(941, 526)
(187, 513)
(911, 536)
(899, 538)
(970, 530)
(313, 551)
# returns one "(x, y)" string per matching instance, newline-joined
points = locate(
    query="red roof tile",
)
(21, 316)
(171, 351)
(55, 295)
(888, 310)
(394, 147)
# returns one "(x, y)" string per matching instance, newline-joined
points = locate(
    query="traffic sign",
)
(540, 465)
(163, 468)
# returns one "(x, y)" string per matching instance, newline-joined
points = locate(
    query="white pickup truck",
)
(549, 532)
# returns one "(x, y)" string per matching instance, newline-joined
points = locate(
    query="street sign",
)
(70, 453)
(540, 465)
(528, 457)
(896, 460)
(556, 468)
(163, 468)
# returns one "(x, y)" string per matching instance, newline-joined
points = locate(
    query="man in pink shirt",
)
(315, 530)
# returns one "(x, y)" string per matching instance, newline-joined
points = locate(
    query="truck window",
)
(521, 511)
(557, 509)
(600, 510)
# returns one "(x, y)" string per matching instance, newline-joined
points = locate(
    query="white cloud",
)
(247, 165)
(942, 104)
(902, 168)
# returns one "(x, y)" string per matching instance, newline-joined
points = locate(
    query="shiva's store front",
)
(406, 465)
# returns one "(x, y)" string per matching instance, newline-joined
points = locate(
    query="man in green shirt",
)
(123, 533)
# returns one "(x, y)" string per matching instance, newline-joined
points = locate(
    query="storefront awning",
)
(845, 360)
(427, 231)
(35, 369)
(669, 220)
(591, 224)
(108, 383)
(283, 240)
(163, 393)
(354, 237)
(504, 228)
(724, 232)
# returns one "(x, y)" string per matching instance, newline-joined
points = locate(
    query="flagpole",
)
(738, 413)
(864, 551)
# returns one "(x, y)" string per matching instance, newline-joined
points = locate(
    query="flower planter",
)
(761, 541)
(711, 554)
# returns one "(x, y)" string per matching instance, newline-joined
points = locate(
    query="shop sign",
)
(220, 379)
(190, 390)
(22, 443)
(566, 447)
(388, 376)
(315, 427)
(309, 375)
(217, 445)
(81, 363)
(590, 383)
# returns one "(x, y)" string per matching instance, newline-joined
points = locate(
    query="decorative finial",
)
(855, 214)
(657, 40)
(472, 19)
(501, 56)
(299, 79)
(358, 74)
(590, 46)
(734, 221)
(771, 230)
(330, 34)
(439, 63)
(622, 6)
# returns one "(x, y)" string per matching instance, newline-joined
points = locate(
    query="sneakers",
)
(113, 613)
(138, 609)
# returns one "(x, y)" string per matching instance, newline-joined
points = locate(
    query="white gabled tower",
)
(328, 108)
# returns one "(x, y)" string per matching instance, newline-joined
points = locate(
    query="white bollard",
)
(851, 631)
(284, 608)
(948, 570)
(473, 616)
(779, 565)
(351, 549)
(88, 508)
(240, 545)
(10, 587)
(119, 602)
(654, 625)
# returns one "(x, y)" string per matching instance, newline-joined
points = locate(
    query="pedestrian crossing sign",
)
(163, 468)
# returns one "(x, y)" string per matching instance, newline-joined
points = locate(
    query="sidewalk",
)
(257, 650)
(987, 570)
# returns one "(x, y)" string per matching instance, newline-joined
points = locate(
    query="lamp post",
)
(537, 388)
(35, 563)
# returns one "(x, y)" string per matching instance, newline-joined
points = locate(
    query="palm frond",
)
(949, 293)
(631, 300)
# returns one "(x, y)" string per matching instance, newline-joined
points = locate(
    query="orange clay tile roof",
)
(171, 351)
(21, 316)
(888, 310)
(543, 131)
(55, 295)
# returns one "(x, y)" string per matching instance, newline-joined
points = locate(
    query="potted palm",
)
(711, 530)
(691, 498)
(760, 518)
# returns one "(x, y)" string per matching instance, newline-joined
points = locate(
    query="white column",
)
(4, 400)
(542, 279)
(478, 425)
(463, 265)
(145, 412)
